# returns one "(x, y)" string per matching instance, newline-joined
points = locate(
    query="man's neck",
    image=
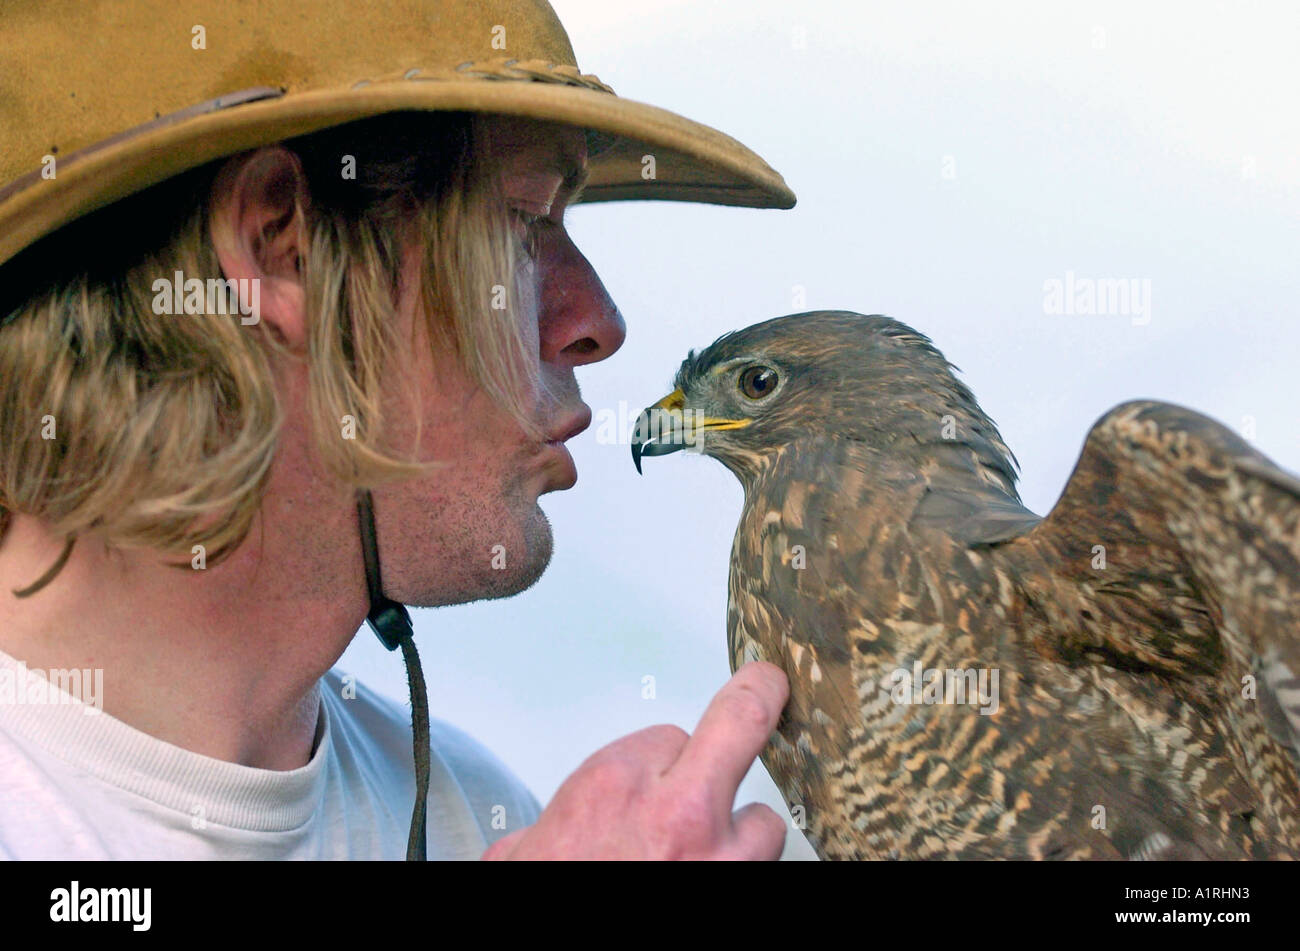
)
(220, 661)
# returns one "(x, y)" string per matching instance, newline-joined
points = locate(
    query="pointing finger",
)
(732, 732)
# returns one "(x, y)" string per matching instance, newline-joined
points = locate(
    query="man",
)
(261, 347)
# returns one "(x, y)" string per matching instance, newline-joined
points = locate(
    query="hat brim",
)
(692, 162)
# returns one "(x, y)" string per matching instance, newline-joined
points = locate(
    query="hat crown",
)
(100, 99)
(70, 76)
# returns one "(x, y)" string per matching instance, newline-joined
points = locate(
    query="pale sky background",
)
(1158, 143)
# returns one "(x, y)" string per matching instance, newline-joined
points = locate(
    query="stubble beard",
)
(499, 560)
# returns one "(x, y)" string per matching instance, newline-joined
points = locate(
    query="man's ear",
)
(258, 231)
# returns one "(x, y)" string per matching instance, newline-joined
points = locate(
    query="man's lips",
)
(570, 428)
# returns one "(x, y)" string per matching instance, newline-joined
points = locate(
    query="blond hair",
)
(158, 432)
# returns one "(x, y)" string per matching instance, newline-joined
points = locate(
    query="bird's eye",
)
(757, 382)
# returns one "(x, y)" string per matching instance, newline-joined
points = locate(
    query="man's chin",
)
(514, 579)
(539, 546)
(508, 572)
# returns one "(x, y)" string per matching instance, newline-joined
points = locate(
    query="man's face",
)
(473, 528)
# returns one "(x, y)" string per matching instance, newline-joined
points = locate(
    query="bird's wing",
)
(1180, 546)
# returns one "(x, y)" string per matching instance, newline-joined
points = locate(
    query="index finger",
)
(733, 731)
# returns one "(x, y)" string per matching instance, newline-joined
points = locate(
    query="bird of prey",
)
(1117, 680)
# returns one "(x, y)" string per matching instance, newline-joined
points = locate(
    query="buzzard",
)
(1117, 680)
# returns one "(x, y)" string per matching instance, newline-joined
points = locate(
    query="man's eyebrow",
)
(566, 166)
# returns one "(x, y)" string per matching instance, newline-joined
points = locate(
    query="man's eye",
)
(525, 228)
(526, 218)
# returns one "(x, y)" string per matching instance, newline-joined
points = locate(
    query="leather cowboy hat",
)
(100, 99)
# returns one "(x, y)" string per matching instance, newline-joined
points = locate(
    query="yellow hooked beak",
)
(669, 426)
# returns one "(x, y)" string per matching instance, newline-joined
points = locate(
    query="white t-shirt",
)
(84, 785)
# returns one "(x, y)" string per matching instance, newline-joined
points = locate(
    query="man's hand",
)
(661, 793)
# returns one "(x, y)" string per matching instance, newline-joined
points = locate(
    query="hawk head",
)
(755, 392)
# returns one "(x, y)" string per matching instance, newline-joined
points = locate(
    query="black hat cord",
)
(392, 625)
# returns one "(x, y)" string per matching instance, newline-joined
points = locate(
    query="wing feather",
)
(1171, 514)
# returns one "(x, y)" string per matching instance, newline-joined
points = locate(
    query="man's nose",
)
(578, 323)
